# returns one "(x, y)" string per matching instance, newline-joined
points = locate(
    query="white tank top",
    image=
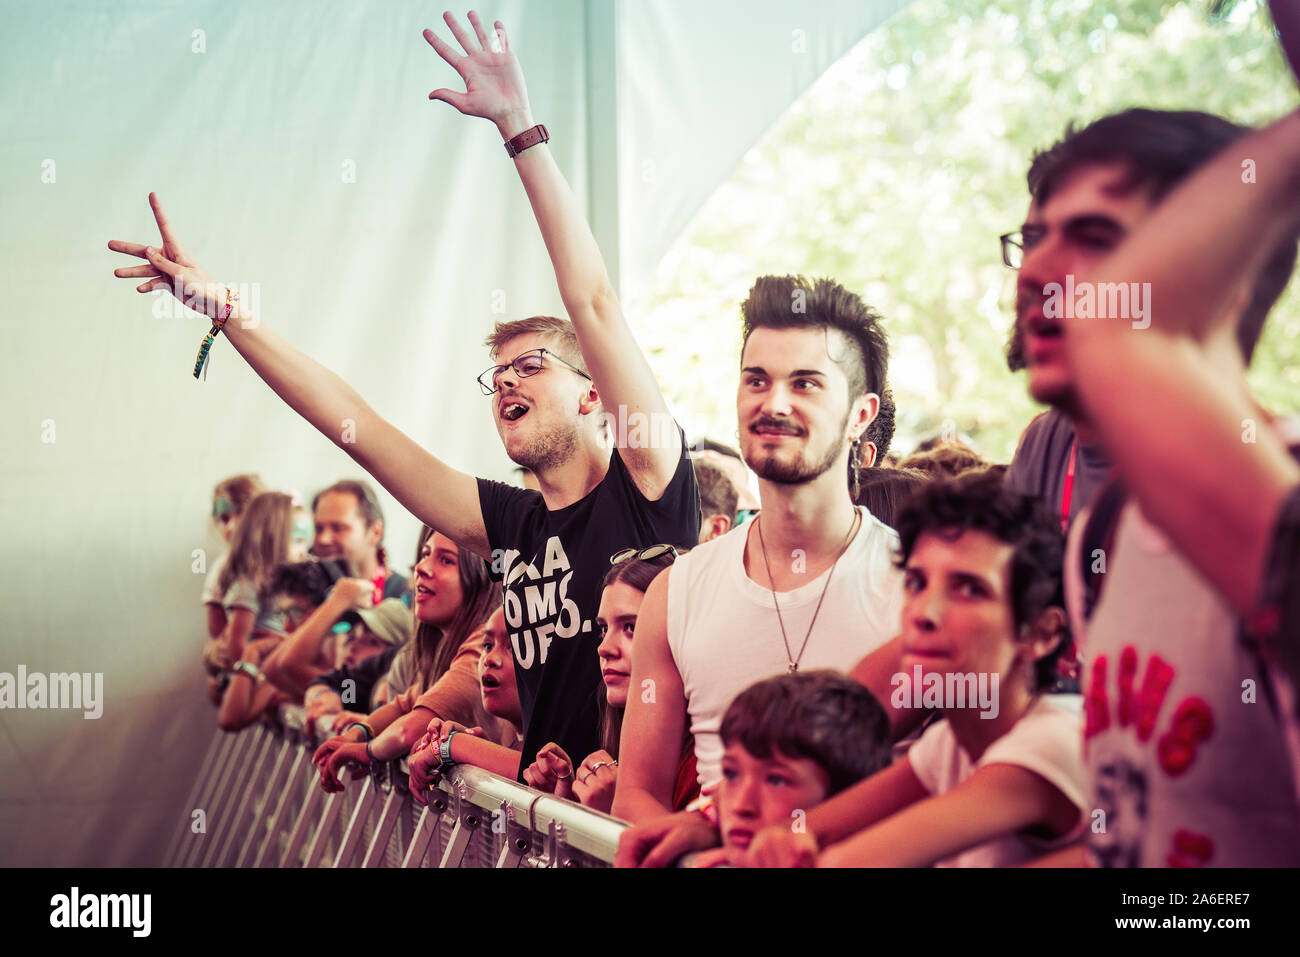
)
(724, 634)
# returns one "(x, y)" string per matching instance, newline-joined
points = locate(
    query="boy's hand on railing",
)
(171, 267)
(494, 82)
(660, 842)
(552, 772)
(778, 846)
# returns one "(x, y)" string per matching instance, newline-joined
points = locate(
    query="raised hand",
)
(494, 83)
(171, 267)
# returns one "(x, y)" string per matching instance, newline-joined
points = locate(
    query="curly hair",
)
(979, 501)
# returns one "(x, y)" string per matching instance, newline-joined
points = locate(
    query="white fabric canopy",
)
(294, 148)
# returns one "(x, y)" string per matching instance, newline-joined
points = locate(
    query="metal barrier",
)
(257, 802)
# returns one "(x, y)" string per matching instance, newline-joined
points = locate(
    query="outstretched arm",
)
(1189, 441)
(442, 497)
(494, 90)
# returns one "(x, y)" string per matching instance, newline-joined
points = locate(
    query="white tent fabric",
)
(295, 151)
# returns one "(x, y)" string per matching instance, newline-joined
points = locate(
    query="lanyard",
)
(1067, 492)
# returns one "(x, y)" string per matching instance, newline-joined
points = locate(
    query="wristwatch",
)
(529, 137)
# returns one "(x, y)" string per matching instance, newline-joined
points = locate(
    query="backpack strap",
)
(1099, 533)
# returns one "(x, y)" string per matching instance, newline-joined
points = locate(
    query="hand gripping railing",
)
(262, 806)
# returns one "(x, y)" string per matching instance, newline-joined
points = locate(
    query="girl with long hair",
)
(436, 675)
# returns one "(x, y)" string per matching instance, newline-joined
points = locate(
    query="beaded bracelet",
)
(201, 362)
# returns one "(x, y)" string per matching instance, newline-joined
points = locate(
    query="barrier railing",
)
(257, 802)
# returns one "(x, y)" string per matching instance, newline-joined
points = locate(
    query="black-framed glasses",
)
(643, 554)
(525, 364)
(1013, 249)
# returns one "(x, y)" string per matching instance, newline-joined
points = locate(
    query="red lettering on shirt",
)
(1190, 850)
(1096, 709)
(1193, 723)
(1128, 666)
(1155, 684)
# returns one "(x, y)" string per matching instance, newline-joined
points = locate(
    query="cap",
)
(389, 621)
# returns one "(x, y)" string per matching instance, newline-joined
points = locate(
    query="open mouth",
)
(512, 410)
(490, 683)
(422, 592)
(1044, 328)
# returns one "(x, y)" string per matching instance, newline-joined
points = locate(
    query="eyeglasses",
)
(525, 365)
(1013, 249)
(643, 554)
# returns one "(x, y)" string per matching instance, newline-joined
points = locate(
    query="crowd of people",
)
(806, 651)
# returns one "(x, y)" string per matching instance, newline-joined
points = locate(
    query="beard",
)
(807, 464)
(547, 449)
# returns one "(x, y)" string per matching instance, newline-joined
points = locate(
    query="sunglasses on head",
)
(643, 554)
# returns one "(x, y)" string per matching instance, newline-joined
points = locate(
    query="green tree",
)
(898, 170)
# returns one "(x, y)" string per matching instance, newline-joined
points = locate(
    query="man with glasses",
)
(553, 387)
(1187, 766)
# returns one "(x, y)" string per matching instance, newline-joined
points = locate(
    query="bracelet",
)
(444, 751)
(370, 755)
(200, 363)
(248, 668)
(529, 137)
(363, 726)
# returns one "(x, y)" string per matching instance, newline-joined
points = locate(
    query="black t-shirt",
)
(551, 564)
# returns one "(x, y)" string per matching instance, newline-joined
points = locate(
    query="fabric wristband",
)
(200, 363)
(444, 751)
(364, 727)
(529, 137)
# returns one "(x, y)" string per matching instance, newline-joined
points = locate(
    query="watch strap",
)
(529, 137)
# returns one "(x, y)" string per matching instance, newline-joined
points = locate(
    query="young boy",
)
(790, 743)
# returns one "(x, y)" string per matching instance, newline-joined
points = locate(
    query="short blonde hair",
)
(559, 331)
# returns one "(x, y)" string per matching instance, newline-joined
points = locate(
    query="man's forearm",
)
(579, 267)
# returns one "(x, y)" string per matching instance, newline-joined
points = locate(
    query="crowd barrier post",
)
(263, 755)
(206, 770)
